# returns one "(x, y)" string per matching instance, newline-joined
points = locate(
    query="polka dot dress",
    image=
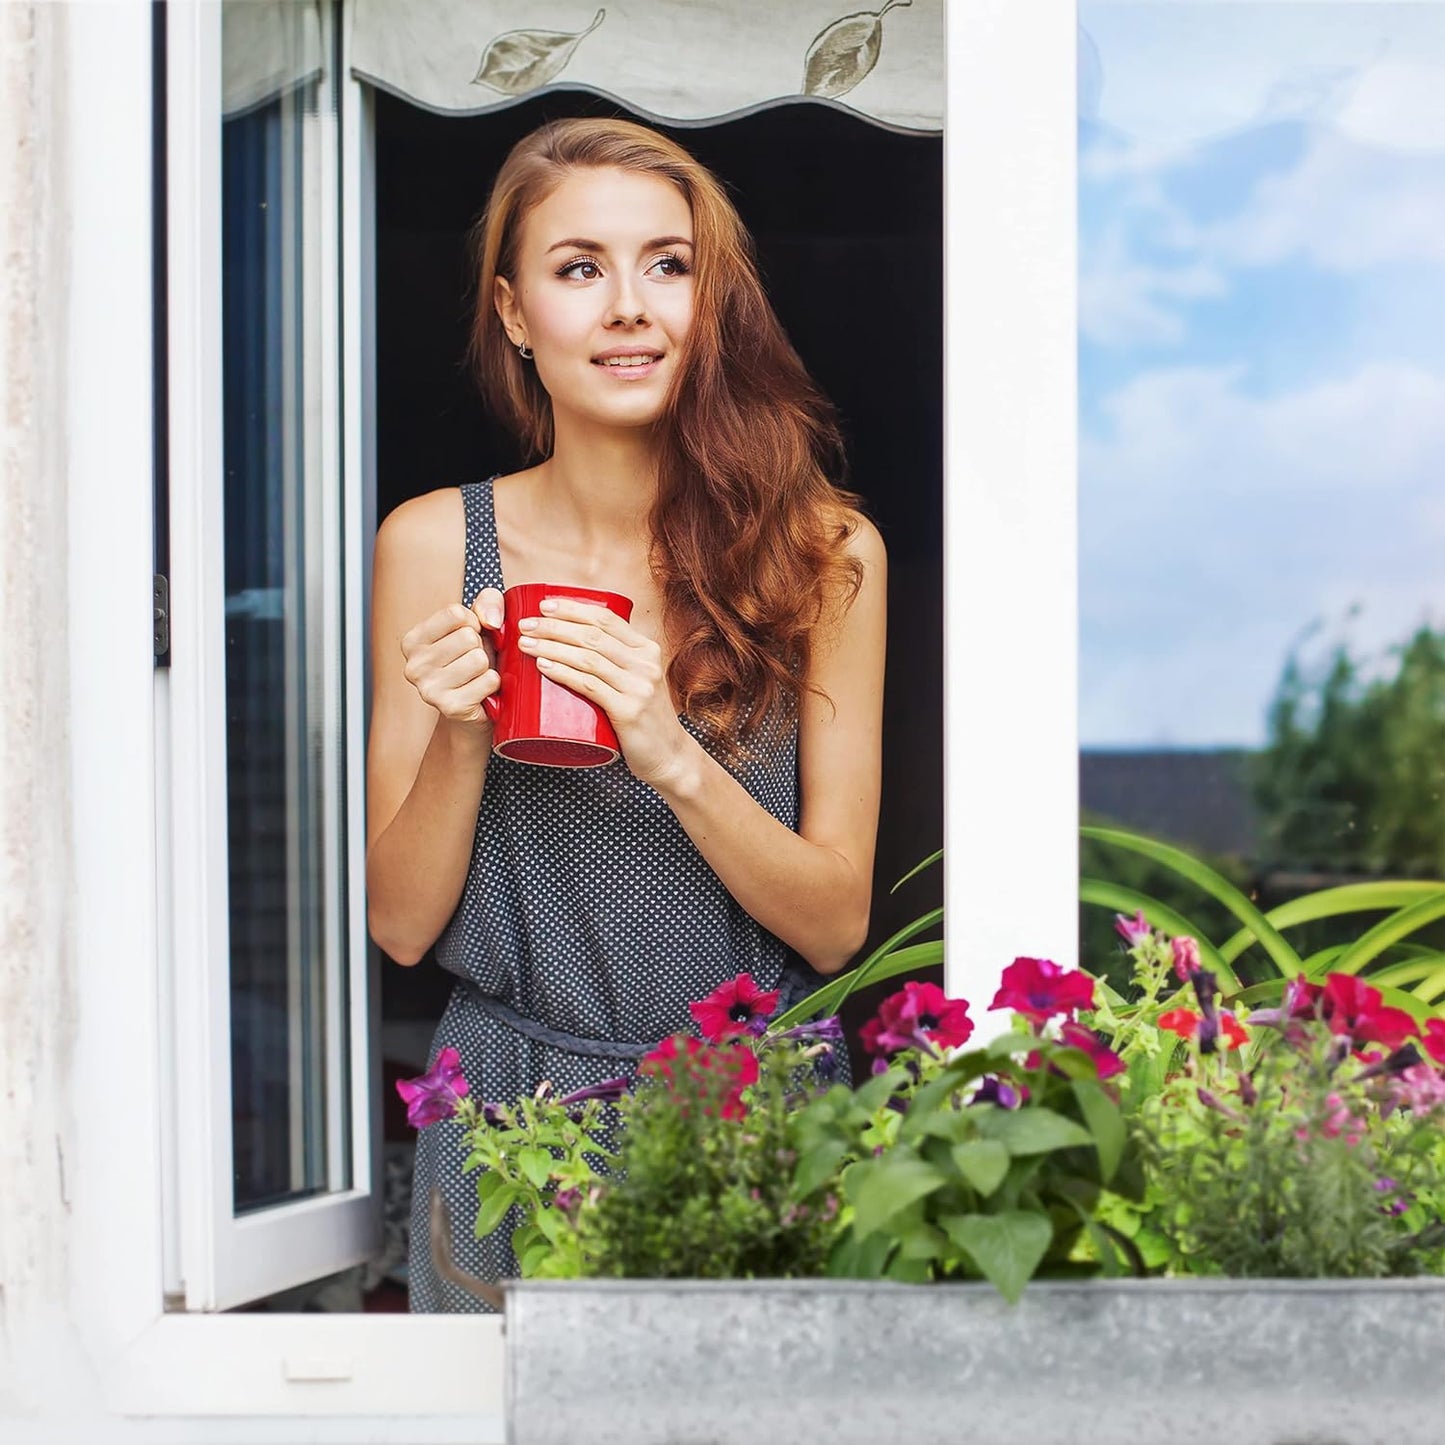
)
(588, 922)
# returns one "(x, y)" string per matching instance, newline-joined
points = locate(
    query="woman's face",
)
(604, 267)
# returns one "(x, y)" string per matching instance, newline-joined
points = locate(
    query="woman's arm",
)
(430, 740)
(812, 888)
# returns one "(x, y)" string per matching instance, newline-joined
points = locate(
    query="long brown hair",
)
(751, 517)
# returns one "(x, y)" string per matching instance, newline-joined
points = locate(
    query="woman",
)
(583, 908)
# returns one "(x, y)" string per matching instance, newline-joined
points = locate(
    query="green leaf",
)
(818, 1165)
(1106, 1124)
(879, 964)
(1390, 930)
(1006, 1247)
(551, 1224)
(531, 1260)
(879, 1188)
(1030, 1130)
(536, 1164)
(1119, 899)
(495, 1207)
(983, 1163)
(1332, 903)
(1217, 886)
(918, 868)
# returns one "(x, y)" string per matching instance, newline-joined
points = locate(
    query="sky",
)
(1261, 351)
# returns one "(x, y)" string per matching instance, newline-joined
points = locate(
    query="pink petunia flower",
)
(1186, 957)
(1134, 930)
(1353, 1009)
(434, 1095)
(919, 1015)
(1038, 988)
(732, 1006)
(1077, 1036)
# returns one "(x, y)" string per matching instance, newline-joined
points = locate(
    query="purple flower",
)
(567, 1201)
(994, 1090)
(609, 1091)
(1134, 930)
(828, 1030)
(434, 1095)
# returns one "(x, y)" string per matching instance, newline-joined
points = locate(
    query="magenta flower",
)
(1133, 930)
(1038, 988)
(434, 1095)
(733, 1008)
(919, 1015)
(1434, 1039)
(1077, 1036)
(1186, 957)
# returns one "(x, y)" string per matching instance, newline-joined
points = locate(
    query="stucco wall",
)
(37, 955)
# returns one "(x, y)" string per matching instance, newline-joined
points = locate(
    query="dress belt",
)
(540, 1033)
(793, 987)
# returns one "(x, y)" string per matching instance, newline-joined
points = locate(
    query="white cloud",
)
(1124, 302)
(1346, 206)
(1215, 525)
(1175, 74)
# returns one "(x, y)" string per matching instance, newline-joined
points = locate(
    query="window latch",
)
(161, 596)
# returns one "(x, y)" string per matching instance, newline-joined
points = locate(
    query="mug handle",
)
(492, 703)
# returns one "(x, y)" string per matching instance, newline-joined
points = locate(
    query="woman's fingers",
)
(487, 607)
(580, 658)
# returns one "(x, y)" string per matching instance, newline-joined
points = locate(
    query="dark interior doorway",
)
(848, 219)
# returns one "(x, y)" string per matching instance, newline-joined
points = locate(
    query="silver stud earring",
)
(522, 351)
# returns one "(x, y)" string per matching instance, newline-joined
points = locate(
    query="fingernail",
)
(548, 605)
(494, 618)
(528, 623)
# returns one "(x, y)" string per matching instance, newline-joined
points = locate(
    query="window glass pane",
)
(282, 540)
(1262, 447)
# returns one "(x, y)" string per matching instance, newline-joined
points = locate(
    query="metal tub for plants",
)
(1129, 1362)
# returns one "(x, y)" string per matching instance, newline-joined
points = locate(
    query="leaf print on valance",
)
(674, 61)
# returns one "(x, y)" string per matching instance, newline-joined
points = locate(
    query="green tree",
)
(1353, 777)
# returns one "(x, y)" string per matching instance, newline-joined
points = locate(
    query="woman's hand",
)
(591, 650)
(451, 662)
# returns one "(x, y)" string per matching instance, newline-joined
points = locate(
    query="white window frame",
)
(1011, 750)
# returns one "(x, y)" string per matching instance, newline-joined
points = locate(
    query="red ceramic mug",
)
(536, 720)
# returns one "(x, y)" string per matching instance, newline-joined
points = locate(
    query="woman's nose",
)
(626, 304)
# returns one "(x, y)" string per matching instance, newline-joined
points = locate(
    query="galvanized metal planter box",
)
(1131, 1362)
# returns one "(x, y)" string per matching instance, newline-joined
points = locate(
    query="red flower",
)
(1185, 1022)
(1182, 1021)
(1038, 988)
(917, 1016)
(719, 1074)
(1076, 1036)
(1352, 1008)
(732, 1006)
(1434, 1040)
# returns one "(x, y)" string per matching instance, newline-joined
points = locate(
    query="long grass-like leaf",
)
(1333, 902)
(1411, 971)
(1284, 957)
(829, 998)
(917, 869)
(1159, 915)
(1398, 925)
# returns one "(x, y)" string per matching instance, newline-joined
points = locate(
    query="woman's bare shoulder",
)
(430, 528)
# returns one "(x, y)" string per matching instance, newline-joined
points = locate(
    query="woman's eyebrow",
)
(583, 244)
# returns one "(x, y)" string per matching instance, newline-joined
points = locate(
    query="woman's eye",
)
(572, 266)
(678, 265)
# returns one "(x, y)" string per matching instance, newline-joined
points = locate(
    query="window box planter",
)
(1263, 1362)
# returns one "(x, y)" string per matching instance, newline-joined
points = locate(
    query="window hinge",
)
(162, 603)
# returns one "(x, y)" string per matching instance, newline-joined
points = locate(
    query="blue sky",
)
(1262, 352)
